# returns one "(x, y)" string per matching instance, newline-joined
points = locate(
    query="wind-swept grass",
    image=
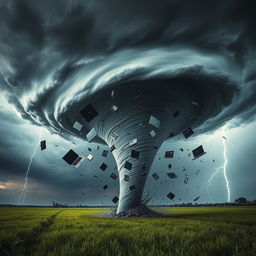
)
(19, 228)
(75, 232)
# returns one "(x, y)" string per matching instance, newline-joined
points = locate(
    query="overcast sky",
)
(55, 53)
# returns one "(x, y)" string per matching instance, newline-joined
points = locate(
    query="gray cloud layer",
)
(54, 54)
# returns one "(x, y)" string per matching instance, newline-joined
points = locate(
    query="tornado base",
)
(139, 211)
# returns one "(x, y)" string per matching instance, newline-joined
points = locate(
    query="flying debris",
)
(171, 135)
(172, 175)
(155, 176)
(91, 134)
(105, 187)
(112, 148)
(135, 154)
(195, 103)
(198, 152)
(144, 167)
(113, 176)
(43, 144)
(72, 158)
(169, 154)
(154, 122)
(114, 108)
(104, 153)
(188, 132)
(115, 199)
(103, 167)
(181, 149)
(126, 177)
(170, 166)
(186, 180)
(195, 199)
(77, 126)
(89, 113)
(171, 195)
(176, 113)
(78, 161)
(132, 187)
(128, 165)
(112, 94)
(224, 137)
(90, 157)
(152, 133)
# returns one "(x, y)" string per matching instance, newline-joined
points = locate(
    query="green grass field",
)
(75, 232)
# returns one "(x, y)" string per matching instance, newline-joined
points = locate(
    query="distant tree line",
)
(240, 201)
(243, 200)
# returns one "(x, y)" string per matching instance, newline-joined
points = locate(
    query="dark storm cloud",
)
(14, 142)
(54, 54)
(48, 171)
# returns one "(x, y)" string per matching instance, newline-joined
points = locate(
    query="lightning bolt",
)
(223, 167)
(25, 186)
(214, 174)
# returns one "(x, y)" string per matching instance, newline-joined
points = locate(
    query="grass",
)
(74, 232)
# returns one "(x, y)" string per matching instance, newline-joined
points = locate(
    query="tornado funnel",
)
(132, 101)
(135, 118)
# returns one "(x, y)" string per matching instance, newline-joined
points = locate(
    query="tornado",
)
(129, 129)
(136, 69)
(134, 100)
(135, 112)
